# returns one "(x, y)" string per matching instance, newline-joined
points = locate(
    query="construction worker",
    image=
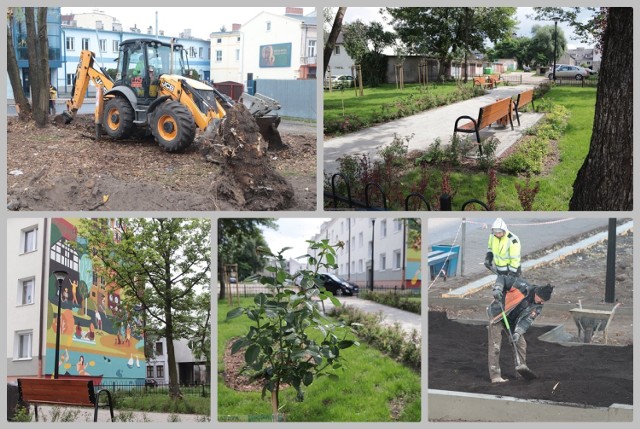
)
(522, 304)
(503, 250)
(53, 94)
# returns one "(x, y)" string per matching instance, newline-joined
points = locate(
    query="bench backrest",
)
(57, 391)
(492, 112)
(525, 98)
(495, 77)
(479, 81)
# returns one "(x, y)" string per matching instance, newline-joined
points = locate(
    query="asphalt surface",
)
(424, 128)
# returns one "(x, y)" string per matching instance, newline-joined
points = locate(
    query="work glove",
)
(497, 294)
(517, 334)
(519, 272)
(488, 260)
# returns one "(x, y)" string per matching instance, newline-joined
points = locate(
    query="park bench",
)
(495, 79)
(523, 99)
(439, 263)
(62, 392)
(481, 81)
(499, 110)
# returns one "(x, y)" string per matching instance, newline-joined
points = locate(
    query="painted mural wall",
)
(99, 338)
(414, 246)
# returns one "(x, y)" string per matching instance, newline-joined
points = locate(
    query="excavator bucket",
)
(63, 118)
(269, 130)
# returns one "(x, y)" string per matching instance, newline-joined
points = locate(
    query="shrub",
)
(393, 300)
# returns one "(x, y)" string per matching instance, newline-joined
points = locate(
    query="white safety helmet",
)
(499, 226)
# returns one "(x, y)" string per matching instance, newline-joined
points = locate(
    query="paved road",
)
(407, 320)
(535, 234)
(428, 126)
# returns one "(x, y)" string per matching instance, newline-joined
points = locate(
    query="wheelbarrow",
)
(591, 321)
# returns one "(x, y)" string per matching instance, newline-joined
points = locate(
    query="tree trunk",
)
(39, 95)
(333, 36)
(174, 386)
(605, 180)
(44, 78)
(22, 103)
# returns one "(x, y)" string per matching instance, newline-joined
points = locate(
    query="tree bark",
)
(605, 180)
(22, 103)
(333, 36)
(40, 104)
(174, 386)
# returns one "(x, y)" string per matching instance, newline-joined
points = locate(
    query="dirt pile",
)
(591, 375)
(246, 177)
(64, 168)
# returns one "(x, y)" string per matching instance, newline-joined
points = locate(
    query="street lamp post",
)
(60, 276)
(555, 46)
(373, 231)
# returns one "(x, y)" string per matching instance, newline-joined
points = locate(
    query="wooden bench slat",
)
(487, 115)
(523, 99)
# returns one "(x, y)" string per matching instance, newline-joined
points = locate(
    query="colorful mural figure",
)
(99, 338)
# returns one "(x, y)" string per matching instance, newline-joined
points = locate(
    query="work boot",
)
(498, 380)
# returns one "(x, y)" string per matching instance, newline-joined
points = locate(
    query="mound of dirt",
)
(585, 374)
(62, 167)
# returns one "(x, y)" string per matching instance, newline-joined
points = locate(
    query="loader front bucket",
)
(269, 130)
(63, 118)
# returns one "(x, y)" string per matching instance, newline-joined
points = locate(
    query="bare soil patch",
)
(63, 168)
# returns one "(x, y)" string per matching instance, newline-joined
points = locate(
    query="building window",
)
(218, 56)
(159, 371)
(23, 345)
(26, 291)
(159, 348)
(383, 228)
(353, 266)
(311, 48)
(114, 45)
(70, 77)
(336, 50)
(200, 52)
(192, 51)
(29, 240)
(383, 261)
(150, 372)
(397, 259)
(397, 225)
(268, 25)
(218, 41)
(103, 45)
(237, 54)
(238, 39)
(85, 43)
(360, 266)
(70, 43)
(360, 240)
(64, 254)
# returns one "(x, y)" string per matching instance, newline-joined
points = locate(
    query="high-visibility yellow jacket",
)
(506, 252)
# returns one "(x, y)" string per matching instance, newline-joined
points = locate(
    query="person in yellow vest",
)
(503, 250)
(53, 94)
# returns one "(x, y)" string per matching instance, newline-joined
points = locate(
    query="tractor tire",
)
(173, 126)
(118, 117)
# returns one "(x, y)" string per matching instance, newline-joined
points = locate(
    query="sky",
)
(292, 232)
(174, 20)
(369, 14)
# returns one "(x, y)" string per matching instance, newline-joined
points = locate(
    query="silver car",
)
(566, 71)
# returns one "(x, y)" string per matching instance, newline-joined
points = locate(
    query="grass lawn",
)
(161, 403)
(378, 102)
(373, 387)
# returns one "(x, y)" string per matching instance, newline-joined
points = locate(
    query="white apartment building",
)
(268, 46)
(26, 241)
(385, 238)
(190, 371)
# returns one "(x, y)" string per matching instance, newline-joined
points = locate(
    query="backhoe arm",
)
(85, 73)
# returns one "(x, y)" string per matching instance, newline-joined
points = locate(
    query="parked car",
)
(150, 382)
(339, 82)
(336, 285)
(526, 68)
(566, 71)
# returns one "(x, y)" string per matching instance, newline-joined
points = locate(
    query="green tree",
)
(447, 32)
(330, 42)
(16, 15)
(280, 347)
(356, 39)
(234, 237)
(542, 45)
(513, 47)
(162, 266)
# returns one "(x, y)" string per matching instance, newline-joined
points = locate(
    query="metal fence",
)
(412, 202)
(203, 390)
(297, 97)
(245, 290)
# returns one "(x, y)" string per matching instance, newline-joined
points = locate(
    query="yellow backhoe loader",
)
(151, 90)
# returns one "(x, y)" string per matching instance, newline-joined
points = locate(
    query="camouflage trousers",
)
(495, 343)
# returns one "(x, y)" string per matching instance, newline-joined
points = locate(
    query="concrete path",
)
(407, 320)
(72, 414)
(428, 126)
